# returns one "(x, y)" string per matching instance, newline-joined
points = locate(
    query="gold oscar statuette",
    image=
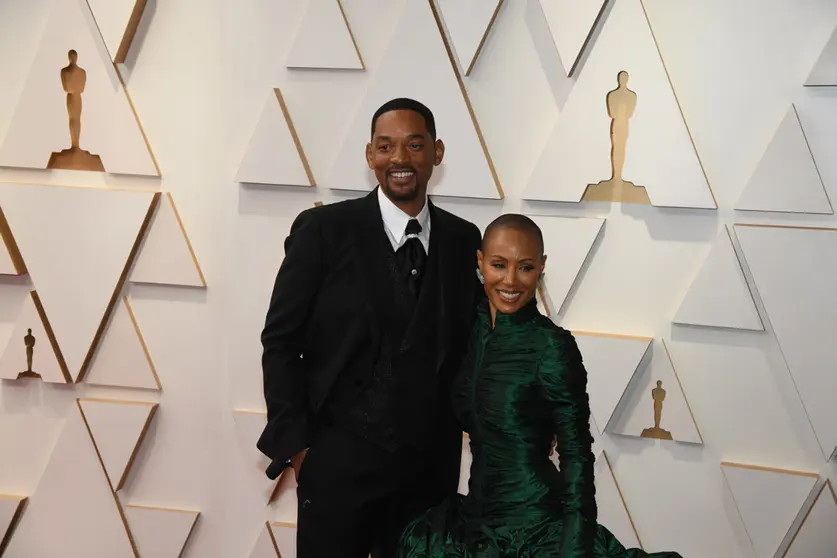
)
(659, 395)
(74, 80)
(29, 342)
(621, 103)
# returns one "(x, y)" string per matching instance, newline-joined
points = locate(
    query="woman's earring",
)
(480, 276)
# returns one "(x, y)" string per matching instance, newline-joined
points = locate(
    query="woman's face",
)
(511, 264)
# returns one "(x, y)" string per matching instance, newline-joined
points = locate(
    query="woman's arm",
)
(564, 381)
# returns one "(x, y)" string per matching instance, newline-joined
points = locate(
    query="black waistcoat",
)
(390, 399)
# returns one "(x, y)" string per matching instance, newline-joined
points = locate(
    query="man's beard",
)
(402, 193)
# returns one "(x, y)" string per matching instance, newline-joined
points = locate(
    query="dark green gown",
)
(523, 382)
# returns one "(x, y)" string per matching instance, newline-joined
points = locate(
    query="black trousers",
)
(355, 498)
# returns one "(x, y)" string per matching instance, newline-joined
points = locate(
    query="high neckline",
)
(523, 314)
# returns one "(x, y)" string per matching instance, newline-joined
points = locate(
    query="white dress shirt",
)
(395, 222)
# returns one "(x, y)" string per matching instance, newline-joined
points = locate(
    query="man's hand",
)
(296, 462)
(554, 443)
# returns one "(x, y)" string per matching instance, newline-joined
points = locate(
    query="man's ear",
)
(369, 156)
(440, 152)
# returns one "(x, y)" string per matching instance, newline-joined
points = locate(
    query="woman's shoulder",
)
(551, 333)
(558, 345)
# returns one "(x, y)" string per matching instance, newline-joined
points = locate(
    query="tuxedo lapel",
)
(445, 245)
(369, 262)
(370, 269)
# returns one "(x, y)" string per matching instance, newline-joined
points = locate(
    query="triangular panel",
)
(117, 429)
(11, 508)
(581, 163)
(274, 154)
(11, 261)
(249, 426)
(32, 350)
(39, 136)
(117, 21)
(817, 534)
(265, 546)
(166, 256)
(160, 532)
(613, 511)
(719, 295)
(285, 536)
(786, 179)
(611, 362)
(794, 271)
(571, 24)
(768, 500)
(468, 23)
(78, 244)
(122, 358)
(73, 512)
(418, 47)
(824, 72)
(324, 39)
(654, 405)
(568, 242)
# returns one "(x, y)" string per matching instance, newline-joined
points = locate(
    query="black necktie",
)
(413, 256)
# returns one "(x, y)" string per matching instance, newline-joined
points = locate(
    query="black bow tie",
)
(413, 256)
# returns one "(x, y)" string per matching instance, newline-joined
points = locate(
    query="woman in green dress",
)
(523, 386)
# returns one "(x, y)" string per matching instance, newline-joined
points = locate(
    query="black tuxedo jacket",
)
(324, 311)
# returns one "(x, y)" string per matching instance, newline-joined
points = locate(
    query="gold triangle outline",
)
(120, 57)
(634, 376)
(351, 35)
(21, 506)
(116, 499)
(196, 513)
(152, 410)
(622, 497)
(485, 33)
(775, 470)
(11, 245)
(677, 100)
(279, 484)
(182, 227)
(141, 338)
(649, 342)
(826, 484)
(292, 129)
(120, 285)
(462, 88)
(128, 33)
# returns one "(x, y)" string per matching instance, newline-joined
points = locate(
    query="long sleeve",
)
(294, 292)
(564, 381)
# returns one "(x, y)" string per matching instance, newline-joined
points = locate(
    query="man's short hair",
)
(404, 103)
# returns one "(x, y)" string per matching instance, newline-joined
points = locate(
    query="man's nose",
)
(399, 155)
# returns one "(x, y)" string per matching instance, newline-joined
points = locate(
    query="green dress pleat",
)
(523, 382)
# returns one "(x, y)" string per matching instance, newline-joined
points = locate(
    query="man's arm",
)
(285, 386)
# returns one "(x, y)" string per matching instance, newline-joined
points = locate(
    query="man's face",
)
(402, 154)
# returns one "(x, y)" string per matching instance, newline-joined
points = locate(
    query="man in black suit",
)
(368, 322)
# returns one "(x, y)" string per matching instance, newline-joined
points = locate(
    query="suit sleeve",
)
(564, 382)
(285, 386)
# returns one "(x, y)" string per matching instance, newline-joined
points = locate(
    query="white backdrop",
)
(199, 74)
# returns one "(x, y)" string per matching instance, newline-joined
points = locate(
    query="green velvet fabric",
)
(523, 383)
